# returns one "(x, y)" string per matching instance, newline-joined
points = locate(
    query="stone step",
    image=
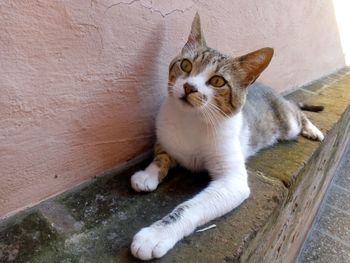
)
(96, 221)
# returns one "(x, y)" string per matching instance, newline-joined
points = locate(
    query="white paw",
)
(145, 181)
(312, 132)
(152, 242)
(319, 135)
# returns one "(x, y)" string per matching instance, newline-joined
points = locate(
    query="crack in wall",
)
(151, 8)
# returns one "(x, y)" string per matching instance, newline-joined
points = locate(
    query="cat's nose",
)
(188, 88)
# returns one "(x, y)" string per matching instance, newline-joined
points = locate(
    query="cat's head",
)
(202, 79)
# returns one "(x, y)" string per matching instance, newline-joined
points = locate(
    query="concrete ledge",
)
(96, 223)
(282, 237)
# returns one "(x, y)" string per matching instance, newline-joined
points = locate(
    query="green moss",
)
(19, 241)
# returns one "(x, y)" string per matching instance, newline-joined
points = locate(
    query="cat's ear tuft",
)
(251, 65)
(196, 37)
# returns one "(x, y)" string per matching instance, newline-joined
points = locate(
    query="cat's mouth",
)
(193, 100)
(183, 98)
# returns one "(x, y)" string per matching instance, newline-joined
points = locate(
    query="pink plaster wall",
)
(81, 81)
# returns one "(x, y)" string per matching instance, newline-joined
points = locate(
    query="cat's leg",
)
(148, 180)
(298, 123)
(222, 195)
(309, 130)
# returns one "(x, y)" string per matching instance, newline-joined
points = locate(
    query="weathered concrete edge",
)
(282, 236)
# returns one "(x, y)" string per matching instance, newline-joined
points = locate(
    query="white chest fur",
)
(195, 143)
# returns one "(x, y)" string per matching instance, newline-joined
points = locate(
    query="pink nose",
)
(188, 88)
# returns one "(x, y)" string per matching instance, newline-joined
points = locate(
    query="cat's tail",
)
(308, 107)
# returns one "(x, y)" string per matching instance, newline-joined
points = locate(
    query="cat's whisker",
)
(218, 109)
(209, 125)
(213, 112)
(207, 121)
(213, 124)
(216, 121)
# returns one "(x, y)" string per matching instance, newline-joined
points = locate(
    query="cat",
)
(214, 117)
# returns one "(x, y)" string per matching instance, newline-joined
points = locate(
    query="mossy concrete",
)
(96, 223)
(103, 217)
(20, 241)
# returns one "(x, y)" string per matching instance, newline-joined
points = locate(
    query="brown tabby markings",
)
(163, 160)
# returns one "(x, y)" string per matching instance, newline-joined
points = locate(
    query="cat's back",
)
(262, 95)
(262, 102)
(267, 116)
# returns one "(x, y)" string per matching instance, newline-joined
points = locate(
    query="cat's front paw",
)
(145, 181)
(152, 242)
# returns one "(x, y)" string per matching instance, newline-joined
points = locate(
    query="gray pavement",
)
(328, 240)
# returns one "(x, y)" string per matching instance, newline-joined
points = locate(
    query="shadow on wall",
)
(109, 138)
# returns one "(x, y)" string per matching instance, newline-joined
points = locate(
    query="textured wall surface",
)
(81, 81)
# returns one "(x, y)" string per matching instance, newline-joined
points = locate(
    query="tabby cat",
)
(214, 118)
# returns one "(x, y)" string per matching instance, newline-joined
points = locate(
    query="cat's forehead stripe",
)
(207, 59)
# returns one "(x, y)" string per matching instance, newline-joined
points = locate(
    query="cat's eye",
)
(186, 65)
(217, 81)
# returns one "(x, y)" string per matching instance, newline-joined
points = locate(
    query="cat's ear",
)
(251, 65)
(196, 38)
